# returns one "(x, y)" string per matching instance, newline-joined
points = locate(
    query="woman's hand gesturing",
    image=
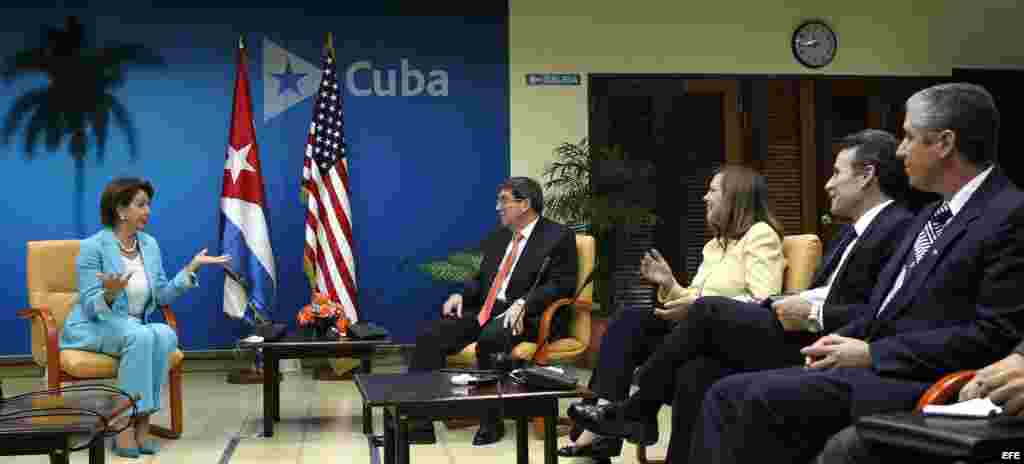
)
(113, 284)
(202, 259)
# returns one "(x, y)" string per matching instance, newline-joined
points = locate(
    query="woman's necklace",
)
(128, 250)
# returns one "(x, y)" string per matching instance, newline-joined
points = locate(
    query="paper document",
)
(978, 407)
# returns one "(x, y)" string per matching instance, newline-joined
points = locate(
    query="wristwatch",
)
(814, 318)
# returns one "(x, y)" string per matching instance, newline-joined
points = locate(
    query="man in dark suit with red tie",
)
(948, 300)
(497, 308)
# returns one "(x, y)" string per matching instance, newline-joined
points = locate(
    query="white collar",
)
(967, 191)
(528, 229)
(865, 219)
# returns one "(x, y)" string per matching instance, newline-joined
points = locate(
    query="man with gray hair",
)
(948, 300)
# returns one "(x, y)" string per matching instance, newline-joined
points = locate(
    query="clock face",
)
(814, 44)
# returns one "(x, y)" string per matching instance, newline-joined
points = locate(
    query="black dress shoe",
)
(422, 433)
(609, 420)
(601, 449)
(577, 430)
(489, 432)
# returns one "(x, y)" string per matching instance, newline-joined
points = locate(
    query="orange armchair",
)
(944, 390)
(52, 293)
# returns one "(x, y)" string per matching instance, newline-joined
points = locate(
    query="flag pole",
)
(337, 368)
(254, 373)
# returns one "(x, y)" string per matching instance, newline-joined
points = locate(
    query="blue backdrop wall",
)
(426, 118)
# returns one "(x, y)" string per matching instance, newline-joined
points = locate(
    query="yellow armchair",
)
(544, 351)
(52, 293)
(802, 253)
(563, 350)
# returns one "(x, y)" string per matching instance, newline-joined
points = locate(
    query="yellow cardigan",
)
(749, 270)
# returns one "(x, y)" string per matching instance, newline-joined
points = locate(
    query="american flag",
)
(329, 258)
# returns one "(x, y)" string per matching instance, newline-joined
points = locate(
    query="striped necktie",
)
(929, 234)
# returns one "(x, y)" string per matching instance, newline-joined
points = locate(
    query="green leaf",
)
(568, 196)
(456, 267)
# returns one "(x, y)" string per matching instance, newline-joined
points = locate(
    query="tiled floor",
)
(321, 422)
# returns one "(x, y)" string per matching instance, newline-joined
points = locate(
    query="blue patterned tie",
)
(929, 234)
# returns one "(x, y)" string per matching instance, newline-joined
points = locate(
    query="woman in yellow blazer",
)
(743, 261)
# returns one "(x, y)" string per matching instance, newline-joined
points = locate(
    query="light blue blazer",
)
(100, 253)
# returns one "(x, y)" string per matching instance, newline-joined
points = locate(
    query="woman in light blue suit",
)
(121, 281)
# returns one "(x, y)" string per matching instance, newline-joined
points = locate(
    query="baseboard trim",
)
(218, 354)
(16, 360)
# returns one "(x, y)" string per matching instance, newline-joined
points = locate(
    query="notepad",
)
(978, 407)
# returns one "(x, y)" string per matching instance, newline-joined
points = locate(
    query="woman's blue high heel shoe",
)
(149, 447)
(130, 453)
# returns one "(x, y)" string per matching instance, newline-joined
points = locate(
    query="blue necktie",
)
(834, 255)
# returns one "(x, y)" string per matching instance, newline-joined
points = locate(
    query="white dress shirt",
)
(137, 290)
(817, 296)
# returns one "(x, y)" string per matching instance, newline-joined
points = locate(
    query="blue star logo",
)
(288, 80)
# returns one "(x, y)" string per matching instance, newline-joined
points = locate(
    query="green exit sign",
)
(553, 79)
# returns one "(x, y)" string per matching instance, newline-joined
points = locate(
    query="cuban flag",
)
(251, 281)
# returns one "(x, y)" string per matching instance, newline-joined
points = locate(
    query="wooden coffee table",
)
(432, 395)
(299, 347)
(26, 429)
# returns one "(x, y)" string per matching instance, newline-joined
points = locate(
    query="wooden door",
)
(685, 129)
(784, 127)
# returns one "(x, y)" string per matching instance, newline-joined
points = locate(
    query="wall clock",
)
(814, 44)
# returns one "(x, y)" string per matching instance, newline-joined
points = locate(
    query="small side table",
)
(300, 347)
(23, 431)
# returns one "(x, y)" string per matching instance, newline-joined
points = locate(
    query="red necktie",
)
(485, 311)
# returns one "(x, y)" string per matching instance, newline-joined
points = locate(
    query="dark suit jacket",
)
(548, 239)
(961, 307)
(852, 286)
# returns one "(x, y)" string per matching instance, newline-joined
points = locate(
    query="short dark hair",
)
(966, 109)
(118, 193)
(525, 188)
(874, 147)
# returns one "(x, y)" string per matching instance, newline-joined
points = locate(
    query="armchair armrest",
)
(169, 316)
(50, 329)
(541, 356)
(944, 389)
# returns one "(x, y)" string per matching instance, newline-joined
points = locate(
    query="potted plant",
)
(455, 268)
(571, 197)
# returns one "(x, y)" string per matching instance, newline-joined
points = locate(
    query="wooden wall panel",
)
(782, 164)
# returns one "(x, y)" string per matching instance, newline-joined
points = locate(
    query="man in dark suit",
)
(949, 299)
(497, 308)
(737, 337)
